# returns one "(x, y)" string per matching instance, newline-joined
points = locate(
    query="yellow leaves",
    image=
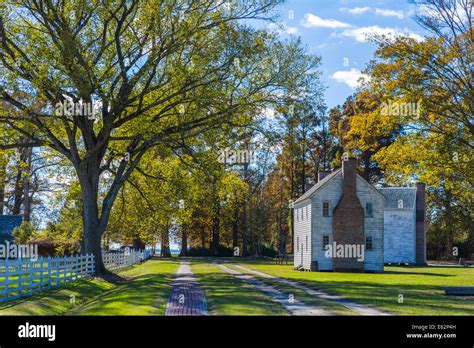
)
(366, 129)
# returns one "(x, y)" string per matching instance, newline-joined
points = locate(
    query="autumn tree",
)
(157, 72)
(436, 145)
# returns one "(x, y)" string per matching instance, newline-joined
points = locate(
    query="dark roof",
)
(308, 193)
(394, 194)
(8, 223)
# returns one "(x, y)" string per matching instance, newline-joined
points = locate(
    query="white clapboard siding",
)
(331, 193)
(400, 236)
(302, 240)
(22, 277)
(373, 226)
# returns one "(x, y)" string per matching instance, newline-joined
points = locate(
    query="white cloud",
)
(282, 28)
(389, 13)
(355, 10)
(378, 11)
(349, 77)
(312, 21)
(362, 34)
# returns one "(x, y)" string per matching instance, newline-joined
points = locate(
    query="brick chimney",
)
(322, 174)
(348, 219)
(420, 224)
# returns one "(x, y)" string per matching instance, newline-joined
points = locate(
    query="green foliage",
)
(24, 233)
(65, 231)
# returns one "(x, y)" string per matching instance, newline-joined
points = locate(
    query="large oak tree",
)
(159, 72)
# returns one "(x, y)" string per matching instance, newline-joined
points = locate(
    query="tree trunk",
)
(449, 228)
(282, 237)
(28, 152)
(203, 237)
(2, 193)
(92, 229)
(235, 229)
(292, 196)
(292, 216)
(138, 244)
(184, 242)
(216, 207)
(165, 244)
(17, 193)
(244, 230)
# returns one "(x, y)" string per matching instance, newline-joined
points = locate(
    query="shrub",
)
(269, 250)
(199, 251)
(24, 232)
(46, 247)
(222, 251)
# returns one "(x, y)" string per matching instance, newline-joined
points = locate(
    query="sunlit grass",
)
(227, 295)
(419, 287)
(144, 293)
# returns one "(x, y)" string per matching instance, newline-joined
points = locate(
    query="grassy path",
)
(227, 295)
(300, 295)
(144, 293)
(400, 290)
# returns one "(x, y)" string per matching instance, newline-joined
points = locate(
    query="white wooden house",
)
(341, 209)
(404, 225)
(344, 209)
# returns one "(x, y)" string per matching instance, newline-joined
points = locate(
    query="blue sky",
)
(336, 30)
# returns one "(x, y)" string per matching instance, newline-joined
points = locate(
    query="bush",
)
(200, 251)
(46, 247)
(269, 250)
(23, 233)
(225, 251)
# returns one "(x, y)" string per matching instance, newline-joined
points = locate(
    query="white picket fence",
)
(113, 261)
(23, 277)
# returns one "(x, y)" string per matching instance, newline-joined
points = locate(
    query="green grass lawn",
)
(144, 293)
(147, 287)
(420, 286)
(303, 296)
(227, 295)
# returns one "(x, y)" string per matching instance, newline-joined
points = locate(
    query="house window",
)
(368, 243)
(369, 211)
(306, 242)
(325, 242)
(297, 243)
(325, 208)
(297, 211)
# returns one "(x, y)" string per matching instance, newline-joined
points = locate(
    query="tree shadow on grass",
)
(417, 299)
(418, 273)
(143, 295)
(53, 301)
(227, 296)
